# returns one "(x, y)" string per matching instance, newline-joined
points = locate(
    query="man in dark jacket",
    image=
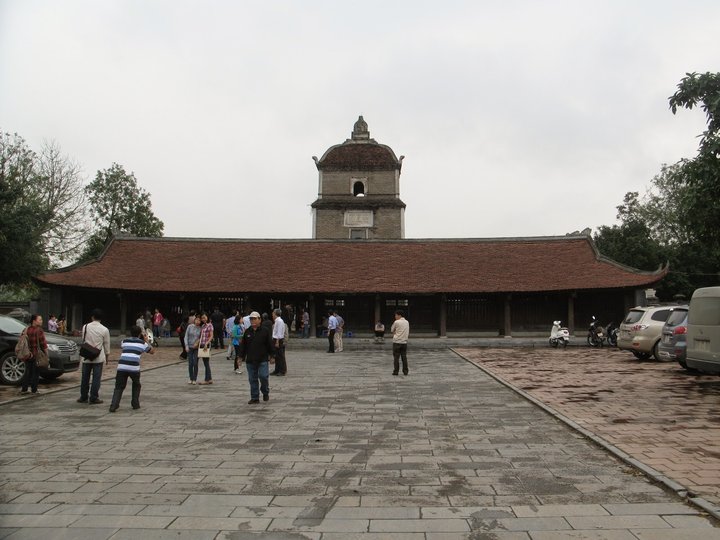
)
(256, 347)
(217, 318)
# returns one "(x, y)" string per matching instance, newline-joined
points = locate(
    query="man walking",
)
(332, 328)
(129, 367)
(400, 331)
(278, 335)
(97, 335)
(256, 347)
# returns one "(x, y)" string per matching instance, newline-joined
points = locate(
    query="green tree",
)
(22, 251)
(678, 219)
(118, 204)
(700, 201)
(632, 241)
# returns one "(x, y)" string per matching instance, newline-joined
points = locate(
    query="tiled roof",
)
(370, 201)
(359, 156)
(346, 266)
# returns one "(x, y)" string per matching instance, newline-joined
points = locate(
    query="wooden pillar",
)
(443, 316)
(507, 316)
(123, 313)
(313, 317)
(571, 312)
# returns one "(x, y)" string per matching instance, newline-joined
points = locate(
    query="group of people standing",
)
(255, 340)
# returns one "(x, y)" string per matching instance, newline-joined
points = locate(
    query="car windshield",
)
(634, 316)
(676, 317)
(11, 326)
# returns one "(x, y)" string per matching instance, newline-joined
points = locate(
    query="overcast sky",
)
(516, 118)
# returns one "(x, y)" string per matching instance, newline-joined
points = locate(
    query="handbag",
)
(204, 352)
(42, 359)
(87, 351)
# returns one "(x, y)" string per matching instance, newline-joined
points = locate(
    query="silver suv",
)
(641, 330)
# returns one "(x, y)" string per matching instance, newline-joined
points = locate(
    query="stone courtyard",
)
(342, 450)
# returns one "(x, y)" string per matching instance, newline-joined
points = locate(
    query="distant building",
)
(359, 263)
(359, 191)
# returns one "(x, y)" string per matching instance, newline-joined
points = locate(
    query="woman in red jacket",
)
(36, 342)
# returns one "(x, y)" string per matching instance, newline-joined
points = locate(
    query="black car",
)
(63, 354)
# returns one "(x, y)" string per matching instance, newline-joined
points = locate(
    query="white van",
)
(703, 330)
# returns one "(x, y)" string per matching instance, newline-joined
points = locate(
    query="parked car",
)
(703, 330)
(641, 330)
(672, 344)
(62, 352)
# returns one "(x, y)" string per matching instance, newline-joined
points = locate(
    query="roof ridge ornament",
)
(360, 130)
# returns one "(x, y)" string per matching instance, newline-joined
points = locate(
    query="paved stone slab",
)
(677, 534)
(342, 450)
(617, 522)
(164, 534)
(584, 535)
(563, 510)
(56, 533)
(638, 509)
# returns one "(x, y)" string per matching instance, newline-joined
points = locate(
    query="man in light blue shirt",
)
(332, 328)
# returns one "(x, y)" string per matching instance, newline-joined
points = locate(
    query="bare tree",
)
(60, 189)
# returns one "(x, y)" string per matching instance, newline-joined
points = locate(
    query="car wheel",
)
(12, 369)
(656, 351)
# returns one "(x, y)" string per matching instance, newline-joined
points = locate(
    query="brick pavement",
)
(342, 450)
(657, 412)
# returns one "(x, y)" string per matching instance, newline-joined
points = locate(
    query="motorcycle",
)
(612, 332)
(559, 335)
(596, 334)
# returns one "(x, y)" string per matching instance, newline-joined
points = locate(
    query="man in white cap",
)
(256, 347)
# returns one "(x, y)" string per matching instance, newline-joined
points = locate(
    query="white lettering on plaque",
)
(358, 218)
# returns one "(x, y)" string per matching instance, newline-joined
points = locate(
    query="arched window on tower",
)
(359, 189)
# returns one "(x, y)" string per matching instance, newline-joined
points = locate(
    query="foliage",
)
(633, 231)
(22, 251)
(10, 292)
(43, 208)
(700, 204)
(678, 219)
(118, 204)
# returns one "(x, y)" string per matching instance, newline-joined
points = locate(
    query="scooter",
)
(559, 335)
(612, 333)
(596, 334)
(150, 339)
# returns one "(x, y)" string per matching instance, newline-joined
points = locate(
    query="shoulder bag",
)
(87, 351)
(41, 357)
